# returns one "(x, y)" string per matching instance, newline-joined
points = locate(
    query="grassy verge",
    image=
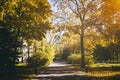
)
(105, 71)
(21, 64)
(106, 65)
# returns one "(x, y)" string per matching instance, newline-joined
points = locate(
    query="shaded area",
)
(60, 71)
(56, 71)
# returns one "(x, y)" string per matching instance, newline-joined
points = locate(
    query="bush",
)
(43, 57)
(37, 60)
(89, 60)
(74, 58)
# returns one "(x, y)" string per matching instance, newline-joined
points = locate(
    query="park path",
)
(59, 71)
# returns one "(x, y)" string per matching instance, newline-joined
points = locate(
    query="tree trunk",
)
(22, 51)
(82, 49)
(28, 51)
(22, 60)
(36, 70)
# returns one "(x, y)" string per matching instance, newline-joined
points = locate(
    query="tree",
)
(110, 17)
(83, 13)
(111, 32)
(54, 36)
(28, 19)
(8, 54)
(110, 12)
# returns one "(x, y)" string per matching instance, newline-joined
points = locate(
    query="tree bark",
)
(82, 49)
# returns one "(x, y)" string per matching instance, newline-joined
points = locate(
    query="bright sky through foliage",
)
(53, 8)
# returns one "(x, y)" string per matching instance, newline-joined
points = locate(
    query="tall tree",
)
(83, 13)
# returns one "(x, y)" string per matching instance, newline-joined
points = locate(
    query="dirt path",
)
(58, 64)
(60, 71)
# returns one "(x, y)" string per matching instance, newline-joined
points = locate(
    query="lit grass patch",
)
(106, 65)
(103, 73)
(21, 64)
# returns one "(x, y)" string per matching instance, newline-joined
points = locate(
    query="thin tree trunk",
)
(22, 51)
(28, 51)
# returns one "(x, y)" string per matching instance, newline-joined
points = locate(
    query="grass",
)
(104, 70)
(103, 73)
(106, 65)
(21, 64)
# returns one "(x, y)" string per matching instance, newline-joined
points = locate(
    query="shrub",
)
(43, 57)
(74, 58)
(37, 60)
(89, 60)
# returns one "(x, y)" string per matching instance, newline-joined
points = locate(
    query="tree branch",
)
(78, 11)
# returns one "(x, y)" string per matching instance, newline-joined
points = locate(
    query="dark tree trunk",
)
(22, 60)
(36, 70)
(117, 57)
(82, 49)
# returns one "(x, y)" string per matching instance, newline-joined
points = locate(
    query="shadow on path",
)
(60, 71)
